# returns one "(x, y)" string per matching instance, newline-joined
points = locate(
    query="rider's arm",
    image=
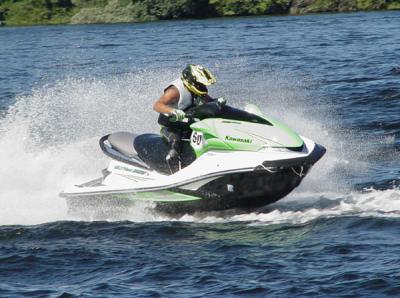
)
(170, 96)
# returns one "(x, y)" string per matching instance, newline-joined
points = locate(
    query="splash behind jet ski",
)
(233, 159)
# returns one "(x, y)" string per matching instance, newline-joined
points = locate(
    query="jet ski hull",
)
(245, 190)
(237, 191)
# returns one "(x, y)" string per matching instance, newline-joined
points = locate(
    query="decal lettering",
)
(131, 170)
(229, 138)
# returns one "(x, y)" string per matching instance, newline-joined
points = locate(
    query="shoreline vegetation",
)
(42, 12)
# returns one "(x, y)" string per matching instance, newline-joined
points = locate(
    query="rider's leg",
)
(174, 140)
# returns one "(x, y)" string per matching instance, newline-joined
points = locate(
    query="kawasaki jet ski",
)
(233, 159)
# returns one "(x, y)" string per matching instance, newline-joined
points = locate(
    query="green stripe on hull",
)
(164, 196)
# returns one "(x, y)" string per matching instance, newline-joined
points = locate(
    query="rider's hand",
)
(177, 115)
(221, 101)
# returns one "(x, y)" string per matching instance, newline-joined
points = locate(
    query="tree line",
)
(26, 12)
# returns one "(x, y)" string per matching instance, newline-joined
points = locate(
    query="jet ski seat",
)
(123, 142)
(150, 149)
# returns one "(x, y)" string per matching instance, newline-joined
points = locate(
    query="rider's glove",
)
(221, 101)
(177, 115)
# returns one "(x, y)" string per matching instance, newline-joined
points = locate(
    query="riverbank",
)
(37, 12)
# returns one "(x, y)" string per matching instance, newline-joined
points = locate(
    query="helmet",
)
(196, 78)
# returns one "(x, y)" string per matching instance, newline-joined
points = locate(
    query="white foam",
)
(377, 203)
(50, 139)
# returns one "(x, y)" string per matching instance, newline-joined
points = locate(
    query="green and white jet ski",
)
(233, 159)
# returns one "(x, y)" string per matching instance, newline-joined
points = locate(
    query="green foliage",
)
(165, 9)
(323, 5)
(370, 4)
(307, 6)
(144, 10)
(89, 3)
(249, 7)
(26, 12)
(2, 14)
(393, 4)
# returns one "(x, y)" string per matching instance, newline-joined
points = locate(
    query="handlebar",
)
(207, 110)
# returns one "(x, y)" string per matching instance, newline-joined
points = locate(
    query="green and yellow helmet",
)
(196, 78)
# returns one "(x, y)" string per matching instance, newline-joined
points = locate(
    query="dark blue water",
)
(334, 78)
(197, 260)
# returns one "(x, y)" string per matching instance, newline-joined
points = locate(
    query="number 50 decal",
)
(197, 140)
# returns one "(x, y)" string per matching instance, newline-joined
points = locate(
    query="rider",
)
(180, 95)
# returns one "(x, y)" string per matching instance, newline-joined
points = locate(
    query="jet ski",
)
(233, 159)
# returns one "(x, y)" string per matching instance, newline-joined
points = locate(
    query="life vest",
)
(186, 99)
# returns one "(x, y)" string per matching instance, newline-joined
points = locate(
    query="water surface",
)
(332, 77)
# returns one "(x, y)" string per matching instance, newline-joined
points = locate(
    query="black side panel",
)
(153, 149)
(239, 190)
